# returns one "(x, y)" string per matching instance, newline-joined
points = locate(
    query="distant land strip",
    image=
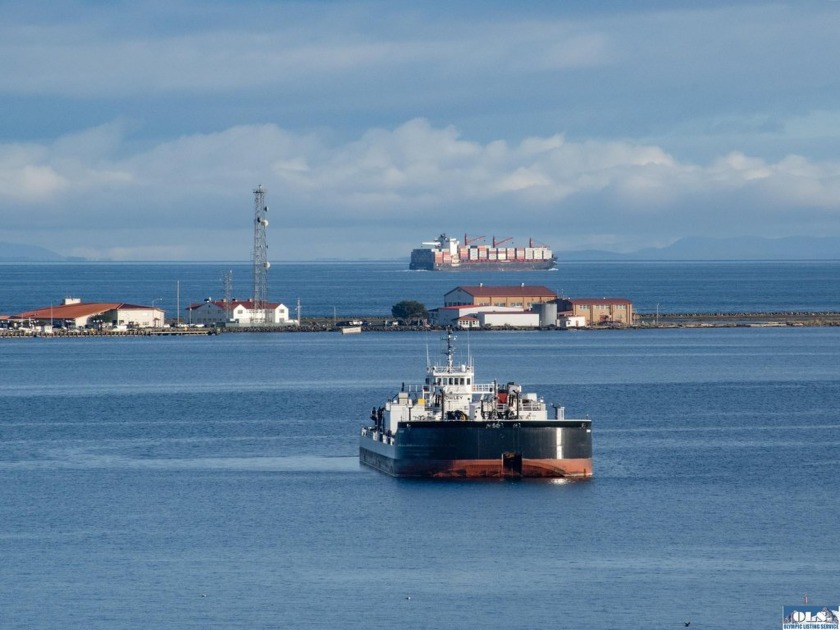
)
(377, 324)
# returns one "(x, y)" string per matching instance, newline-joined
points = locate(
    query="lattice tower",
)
(227, 280)
(261, 263)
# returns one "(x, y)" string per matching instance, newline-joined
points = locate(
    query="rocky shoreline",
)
(758, 319)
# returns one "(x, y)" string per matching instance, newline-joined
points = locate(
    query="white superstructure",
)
(450, 393)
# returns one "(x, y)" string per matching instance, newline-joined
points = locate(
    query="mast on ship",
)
(450, 349)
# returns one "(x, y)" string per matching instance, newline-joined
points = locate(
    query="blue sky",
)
(137, 130)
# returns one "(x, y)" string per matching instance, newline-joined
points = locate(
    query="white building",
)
(572, 321)
(238, 312)
(513, 319)
(467, 321)
(484, 317)
(450, 315)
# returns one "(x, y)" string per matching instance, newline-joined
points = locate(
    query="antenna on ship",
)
(261, 263)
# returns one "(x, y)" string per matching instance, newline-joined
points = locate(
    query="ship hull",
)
(508, 449)
(536, 265)
(424, 260)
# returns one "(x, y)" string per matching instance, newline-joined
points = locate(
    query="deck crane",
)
(499, 242)
(532, 244)
(468, 240)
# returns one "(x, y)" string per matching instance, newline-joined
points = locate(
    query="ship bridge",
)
(449, 390)
(449, 387)
(450, 393)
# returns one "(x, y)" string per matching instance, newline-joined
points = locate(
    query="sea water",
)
(214, 482)
(359, 289)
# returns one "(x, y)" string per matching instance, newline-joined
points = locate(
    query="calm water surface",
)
(213, 482)
(370, 289)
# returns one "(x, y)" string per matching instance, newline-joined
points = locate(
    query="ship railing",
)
(377, 436)
(483, 388)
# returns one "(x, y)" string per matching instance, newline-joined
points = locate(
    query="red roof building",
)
(518, 296)
(78, 314)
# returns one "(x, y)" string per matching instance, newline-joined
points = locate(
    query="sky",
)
(139, 130)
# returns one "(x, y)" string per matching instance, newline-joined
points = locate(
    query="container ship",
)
(448, 254)
(452, 427)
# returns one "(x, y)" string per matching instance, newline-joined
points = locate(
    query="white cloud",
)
(76, 164)
(126, 53)
(30, 182)
(414, 172)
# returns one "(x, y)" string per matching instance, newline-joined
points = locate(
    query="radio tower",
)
(261, 263)
(227, 280)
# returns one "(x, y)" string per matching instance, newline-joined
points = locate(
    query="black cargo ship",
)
(448, 254)
(451, 426)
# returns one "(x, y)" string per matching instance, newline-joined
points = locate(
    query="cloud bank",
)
(415, 179)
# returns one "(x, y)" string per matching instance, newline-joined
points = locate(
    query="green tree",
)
(410, 310)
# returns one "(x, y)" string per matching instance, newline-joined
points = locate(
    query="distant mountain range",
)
(739, 248)
(14, 252)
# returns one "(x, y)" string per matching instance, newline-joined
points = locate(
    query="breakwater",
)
(782, 318)
(642, 320)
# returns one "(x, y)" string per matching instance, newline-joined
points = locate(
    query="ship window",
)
(468, 381)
